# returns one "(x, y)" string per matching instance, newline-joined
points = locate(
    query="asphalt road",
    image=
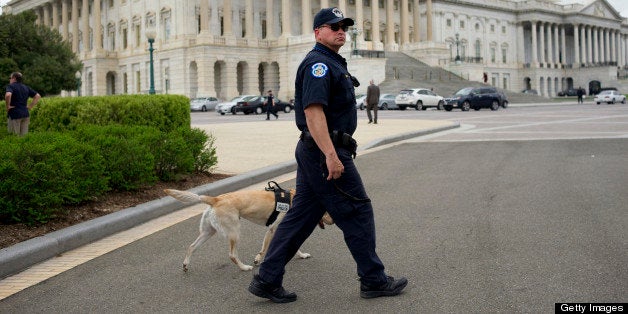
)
(515, 211)
(488, 226)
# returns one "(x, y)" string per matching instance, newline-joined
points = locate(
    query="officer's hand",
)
(335, 168)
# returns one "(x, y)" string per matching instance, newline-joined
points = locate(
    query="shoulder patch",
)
(319, 70)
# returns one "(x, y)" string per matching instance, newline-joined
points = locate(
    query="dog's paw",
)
(304, 255)
(246, 267)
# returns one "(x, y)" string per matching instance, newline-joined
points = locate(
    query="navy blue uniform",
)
(19, 98)
(323, 78)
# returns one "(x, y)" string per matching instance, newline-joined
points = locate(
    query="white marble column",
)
(306, 17)
(521, 52)
(404, 27)
(596, 46)
(556, 44)
(416, 21)
(550, 52)
(75, 26)
(227, 18)
(563, 45)
(285, 19)
(542, 45)
(613, 39)
(248, 20)
(428, 14)
(535, 60)
(97, 25)
(270, 20)
(576, 44)
(85, 25)
(583, 45)
(64, 19)
(46, 18)
(375, 24)
(204, 17)
(55, 14)
(589, 45)
(390, 23)
(605, 45)
(359, 20)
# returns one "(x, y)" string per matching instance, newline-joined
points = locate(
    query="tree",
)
(40, 53)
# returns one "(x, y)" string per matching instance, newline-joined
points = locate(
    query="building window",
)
(166, 20)
(111, 2)
(111, 30)
(503, 29)
(504, 54)
(367, 3)
(477, 26)
(381, 4)
(478, 49)
(461, 24)
(448, 22)
(493, 52)
(492, 28)
(264, 29)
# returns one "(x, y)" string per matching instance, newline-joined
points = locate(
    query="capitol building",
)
(226, 48)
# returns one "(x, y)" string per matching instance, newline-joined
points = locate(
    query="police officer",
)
(327, 179)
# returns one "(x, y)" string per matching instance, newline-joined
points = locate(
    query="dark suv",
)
(476, 98)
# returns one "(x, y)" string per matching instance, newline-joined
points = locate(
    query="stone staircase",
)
(403, 71)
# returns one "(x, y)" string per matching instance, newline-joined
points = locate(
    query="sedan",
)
(229, 106)
(609, 97)
(256, 104)
(387, 102)
(203, 103)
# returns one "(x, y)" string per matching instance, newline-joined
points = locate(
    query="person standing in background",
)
(270, 106)
(16, 98)
(372, 101)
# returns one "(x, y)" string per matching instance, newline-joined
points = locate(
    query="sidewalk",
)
(246, 146)
(253, 152)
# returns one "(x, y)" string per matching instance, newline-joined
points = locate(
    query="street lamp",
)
(77, 76)
(150, 34)
(166, 82)
(354, 38)
(457, 48)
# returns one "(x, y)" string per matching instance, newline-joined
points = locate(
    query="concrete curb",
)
(25, 254)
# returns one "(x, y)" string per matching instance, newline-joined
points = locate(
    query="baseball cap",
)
(331, 16)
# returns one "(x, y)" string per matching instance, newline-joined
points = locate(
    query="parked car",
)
(568, 92)
(419, 98)
(530, 91)
(229, 106)
(387, 102)
(476, 98)
(609, 97)
(360, 101)
(203, 103)
(255, 104)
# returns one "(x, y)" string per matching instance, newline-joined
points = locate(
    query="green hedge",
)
(164, 112)
(79, 148)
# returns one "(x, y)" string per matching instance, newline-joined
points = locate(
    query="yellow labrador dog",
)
(224, 212)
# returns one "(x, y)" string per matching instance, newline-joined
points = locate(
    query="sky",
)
(620, 5)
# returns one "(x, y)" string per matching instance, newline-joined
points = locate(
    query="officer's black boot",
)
(392, 287)
(276, 294)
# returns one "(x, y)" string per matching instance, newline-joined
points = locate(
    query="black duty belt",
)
(339, 139)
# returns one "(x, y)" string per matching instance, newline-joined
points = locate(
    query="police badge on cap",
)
(331, 16)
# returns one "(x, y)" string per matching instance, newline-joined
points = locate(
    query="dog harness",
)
(282, 201)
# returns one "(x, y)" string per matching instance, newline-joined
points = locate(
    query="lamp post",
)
(354, 38)
(457, 48)
(77, 76)
(166, 82)
(150, 34)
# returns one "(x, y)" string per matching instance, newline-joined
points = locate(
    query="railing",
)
(369, 53)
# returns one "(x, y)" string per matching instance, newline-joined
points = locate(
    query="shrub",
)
(129, 161)
(42, 171)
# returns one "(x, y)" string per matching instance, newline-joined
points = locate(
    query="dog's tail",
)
(189, 197)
